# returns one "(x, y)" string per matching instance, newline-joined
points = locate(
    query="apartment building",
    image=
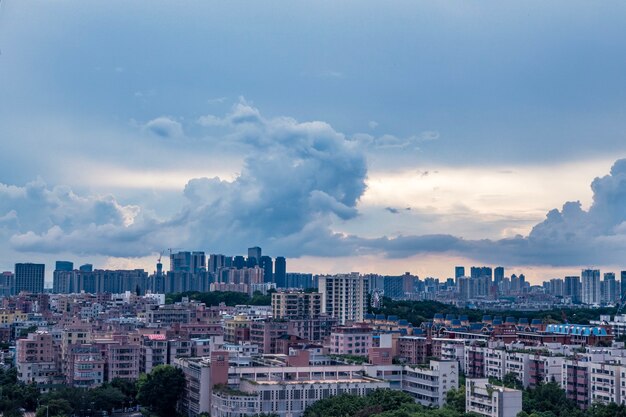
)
(495, 361)
(350, 341)
(429, 384)
(575, 382)
(605, 379)
(344, 296)
(489, 400)
(414, 349)
(296, 305)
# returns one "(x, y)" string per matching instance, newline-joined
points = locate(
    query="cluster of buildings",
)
(305, 346)
(487, 287)
(316, 339)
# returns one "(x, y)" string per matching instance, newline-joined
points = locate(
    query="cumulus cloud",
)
(296, 175)
(164, 127)
(298, 180)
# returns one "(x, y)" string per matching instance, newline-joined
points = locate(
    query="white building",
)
(285, 398)
(490, 400)
(344, 296)
(430, 384)
(604, 387)
(591, 289)
(495, 360)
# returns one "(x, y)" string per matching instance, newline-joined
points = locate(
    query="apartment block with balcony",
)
(429, 384)
(488, 400)
(575, 382)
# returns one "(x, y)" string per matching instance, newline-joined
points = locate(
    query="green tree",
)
(55, 407)
(455, 399)
(106, 397)
(161, 389)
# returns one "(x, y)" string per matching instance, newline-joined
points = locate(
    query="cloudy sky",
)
(348, 136)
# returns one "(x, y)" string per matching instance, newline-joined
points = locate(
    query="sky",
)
(347, 136)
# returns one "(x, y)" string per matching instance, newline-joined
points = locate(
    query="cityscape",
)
(312, 209)
(251, 338)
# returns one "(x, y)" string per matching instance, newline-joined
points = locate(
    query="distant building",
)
(610, 291)
(255, 253)
(572, 288)
(268, 268)
(459, 271)
(29, 277)
(7, 284)
(591, 291)
(280, 271)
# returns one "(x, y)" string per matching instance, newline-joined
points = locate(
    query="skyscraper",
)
(609, 288)
(29, 277)
(591, 293)
(280, 272)
(86, 268)
(459, 271)
(64, 266)
(498, 275)
(198, 262)
(268, 269)
(255, 253)
(216, 262)
(622, 284)
(180, 262)
(572, 288)
(239, 262)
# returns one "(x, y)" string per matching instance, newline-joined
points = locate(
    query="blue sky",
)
(324, 122)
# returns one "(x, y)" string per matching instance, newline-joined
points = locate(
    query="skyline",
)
(401, 137)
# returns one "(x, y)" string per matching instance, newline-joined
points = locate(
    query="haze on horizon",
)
(368, 136)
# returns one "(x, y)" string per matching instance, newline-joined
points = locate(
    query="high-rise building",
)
(293, 305)
(251, 262)
(280, 272)
(268, 268)
(60, 266)
(498, 275)
(198, 262)
(29, 277)
(556, 287)
(239, 262)
(591, 293)
(609, 288)
(622, 284)
(572, 288)
(459, 271)
(255, 253)
(344, 296)
(64, 266)
(86, 268)
(216, 262)
(180, 262)
(7, 284)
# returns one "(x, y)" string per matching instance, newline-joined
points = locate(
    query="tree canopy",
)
(161, 389)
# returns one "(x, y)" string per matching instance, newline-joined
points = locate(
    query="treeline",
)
(229, 298)
(158, 392)
(417, 312)
(547, 400)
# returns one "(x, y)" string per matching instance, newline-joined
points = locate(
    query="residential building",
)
(489, 400)
(344, 296)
